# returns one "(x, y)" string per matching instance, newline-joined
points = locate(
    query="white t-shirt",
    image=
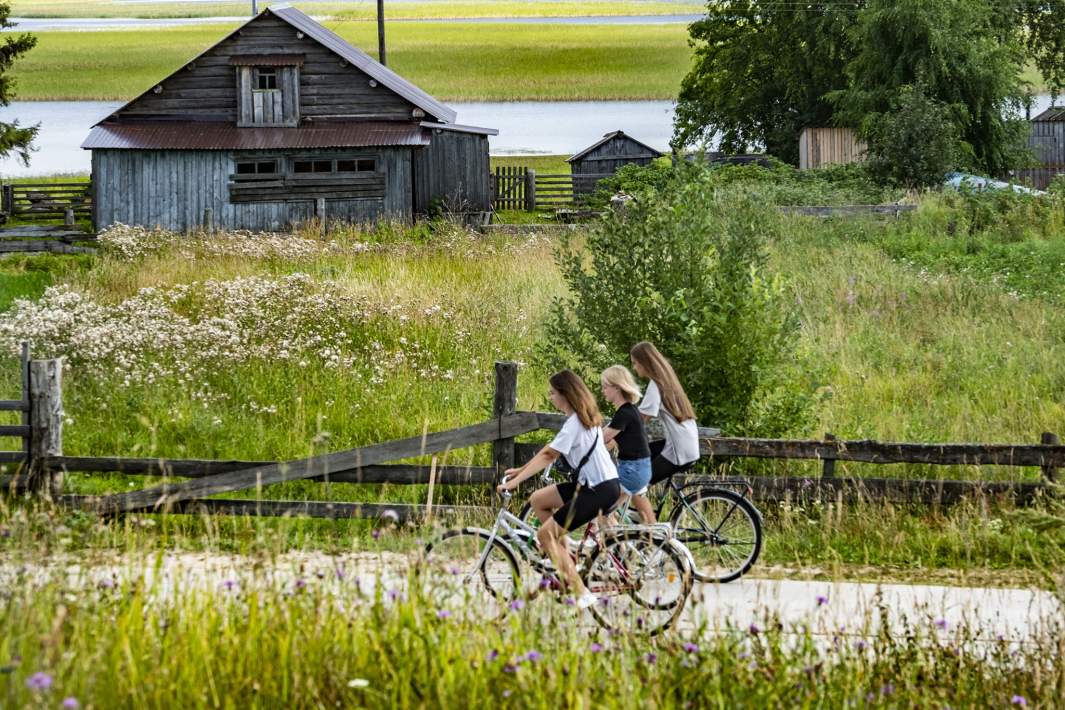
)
(682, 438)
(573, 441)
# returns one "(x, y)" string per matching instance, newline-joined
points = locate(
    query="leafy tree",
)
(13, 137)
(761, 73)
(684, 267)
(766, 69)
(914, 144)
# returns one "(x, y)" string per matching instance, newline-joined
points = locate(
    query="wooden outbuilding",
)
(829, 146)
(1047, 143)
(279, 122)
(604, 157)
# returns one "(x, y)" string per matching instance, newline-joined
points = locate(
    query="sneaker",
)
(587, 600)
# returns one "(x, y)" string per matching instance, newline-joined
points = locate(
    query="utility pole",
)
(254, 8)
(381, 31)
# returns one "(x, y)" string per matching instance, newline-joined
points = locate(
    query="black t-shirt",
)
(631, 438)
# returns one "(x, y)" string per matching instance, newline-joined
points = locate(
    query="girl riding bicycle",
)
(565, 507)
(626, 430)
(666, 400)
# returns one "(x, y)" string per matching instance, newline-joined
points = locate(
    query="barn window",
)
(256, 167)
(266, 79)
(363, 165)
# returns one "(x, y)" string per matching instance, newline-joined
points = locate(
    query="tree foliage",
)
(766, 69)
(684, 267)
(13, 137)
(914, 144)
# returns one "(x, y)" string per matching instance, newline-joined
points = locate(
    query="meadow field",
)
(453, 61)
(354, 9)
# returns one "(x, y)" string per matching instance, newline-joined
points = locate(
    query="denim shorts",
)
(634, 475)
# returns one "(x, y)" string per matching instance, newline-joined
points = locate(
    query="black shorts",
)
(661, 467)
(581, 506)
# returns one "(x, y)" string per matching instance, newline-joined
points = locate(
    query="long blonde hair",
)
(658, 369)
(620, 377)
(568, 384)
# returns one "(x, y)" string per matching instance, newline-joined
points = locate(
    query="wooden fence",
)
(521, 188)
(41, 464)
(45, 238)
(47, 200)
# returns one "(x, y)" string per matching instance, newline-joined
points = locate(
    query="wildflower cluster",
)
(130, 243)
(187, 329)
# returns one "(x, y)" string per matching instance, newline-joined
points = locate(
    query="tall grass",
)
(454, 61)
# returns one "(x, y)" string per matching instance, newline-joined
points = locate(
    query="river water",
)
(525, 128)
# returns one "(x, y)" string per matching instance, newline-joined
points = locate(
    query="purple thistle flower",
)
(596, 647)
(4, 532)
(70, 703)
(532, 656)
(517, 605)
(753, 628)
(229, 584)
(394, 594)
(861, 645)
(887, 689)
(340, 574)
(650, 658)
(821, 600)
(39, 681)
(492, 655)
(569, 601)
(106, 583)
(454, 570)
(300, 584)
(690, 647)
(545, 583)
(510, 668)
(443, 614)
(376, 533)
(1019, 700)
(320, 574)
(942, 624)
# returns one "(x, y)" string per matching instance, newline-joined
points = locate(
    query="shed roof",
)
(1054, 113)
(354, 56)
(175, 135)
(610, 136)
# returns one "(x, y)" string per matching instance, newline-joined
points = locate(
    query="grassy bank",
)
(455, 62)
(351, 10)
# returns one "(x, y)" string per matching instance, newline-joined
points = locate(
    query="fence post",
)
(319, 212)
(530, 190)
(1050, 439)
(68, 217)
(9, 199)
(828, 468)
(505, 402)
(208, 220)
(46, 422)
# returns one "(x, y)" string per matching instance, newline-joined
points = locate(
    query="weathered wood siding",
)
(828, 146)
(607, 159)
(455, 169)
(171, 189)
(1047, 143)
(207, 89)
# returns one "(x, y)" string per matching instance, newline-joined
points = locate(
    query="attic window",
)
(257, 167)
(266, 79)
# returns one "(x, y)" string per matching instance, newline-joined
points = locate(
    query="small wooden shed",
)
(829, 146)
(281, 121)
(604, 157)
(1047, 143)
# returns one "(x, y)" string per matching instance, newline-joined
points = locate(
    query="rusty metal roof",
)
(1054, 113)
(173, 135)
(363, 61)
(266, 60)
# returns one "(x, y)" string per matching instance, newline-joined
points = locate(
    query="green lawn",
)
(454, 62)
(354, 10)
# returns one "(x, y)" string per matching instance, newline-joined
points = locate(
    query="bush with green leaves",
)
(684, 267)
(915, 144)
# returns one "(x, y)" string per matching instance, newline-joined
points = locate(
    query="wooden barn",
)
(1047, 143)
(279, 122)
(604, 157)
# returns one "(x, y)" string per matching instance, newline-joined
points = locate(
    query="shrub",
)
(684, 267)
(915, 144)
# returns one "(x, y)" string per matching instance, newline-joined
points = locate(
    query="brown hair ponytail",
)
(577, 394)
(657, 367)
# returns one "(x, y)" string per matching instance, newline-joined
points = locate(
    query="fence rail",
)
(46, 200)
(367, 465)
(21, 405)
(521, 188)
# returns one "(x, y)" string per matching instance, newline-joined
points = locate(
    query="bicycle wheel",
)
(642, 581)
(723, 531)
(464, 576)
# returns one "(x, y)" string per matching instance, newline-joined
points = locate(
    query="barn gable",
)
(317, 77)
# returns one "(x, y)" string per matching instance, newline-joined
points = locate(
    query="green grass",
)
(360, 11)
(545, 164)
(336, 643)
(455, 62)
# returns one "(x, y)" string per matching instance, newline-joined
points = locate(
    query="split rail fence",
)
(47, 200)
(40, 466)
(521, 188)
